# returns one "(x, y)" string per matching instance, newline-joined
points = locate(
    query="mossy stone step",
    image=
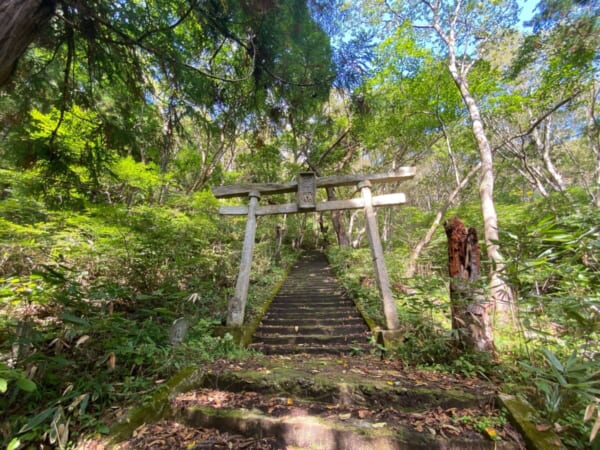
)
(311, 321)
(309, 294)
(310, 349)
(307, 329)
(326, 403)
(332, 313)
(312, 308)
(324, 303)
(349, 388)
(305, 431)
(318, 339)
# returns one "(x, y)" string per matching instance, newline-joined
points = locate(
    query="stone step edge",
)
(319, 336)
(309, 431)
(268, 330)
(305, 349)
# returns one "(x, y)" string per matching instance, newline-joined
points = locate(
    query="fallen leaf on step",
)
(379, 425)
(491, 432)
(362, 413)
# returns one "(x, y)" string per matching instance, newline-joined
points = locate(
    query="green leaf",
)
(68, 317)
(37, 420)
(3, 385)
(13, 444)
(26, 384)
(553, 360)
(84, 404)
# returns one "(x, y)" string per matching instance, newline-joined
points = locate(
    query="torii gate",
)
(305, 188)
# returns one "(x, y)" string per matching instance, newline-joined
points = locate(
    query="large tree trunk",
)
(21, 21)
(500, 291)
(469, 306)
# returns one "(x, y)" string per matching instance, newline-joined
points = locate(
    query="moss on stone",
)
(523, 416)
(157, 408)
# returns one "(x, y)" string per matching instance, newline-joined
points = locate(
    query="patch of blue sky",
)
(527, 10)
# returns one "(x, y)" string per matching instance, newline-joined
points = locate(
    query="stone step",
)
(325, 304)
(309, 290)
(313, 308)
(299, 319)
(286, 349)
(312, 321)
(329, 402)
(317, 339)
(309, 379)
(302, 430)
(331, 330)
(324, 309)
(311, 298)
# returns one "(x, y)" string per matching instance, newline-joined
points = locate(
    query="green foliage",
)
(553, 266)
(355, 269)
(17, 379)
(564, 385)
(102, 287)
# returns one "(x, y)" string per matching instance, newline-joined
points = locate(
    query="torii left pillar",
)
(237, 305)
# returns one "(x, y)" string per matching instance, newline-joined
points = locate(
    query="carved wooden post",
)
(237, 305)
(381, 275)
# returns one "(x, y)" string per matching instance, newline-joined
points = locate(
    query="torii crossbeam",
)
(305, 188)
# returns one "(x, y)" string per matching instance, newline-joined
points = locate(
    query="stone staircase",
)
(311, 314)
(332, 399)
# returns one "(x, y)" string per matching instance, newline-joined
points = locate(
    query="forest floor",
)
(361, 391)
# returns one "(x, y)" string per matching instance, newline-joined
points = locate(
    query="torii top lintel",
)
(243, 190)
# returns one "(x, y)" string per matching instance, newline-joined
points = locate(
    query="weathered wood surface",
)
(237, 305)
(306, 196)
(469, 307)
(292, 208)
(242, 190)
(381, 276)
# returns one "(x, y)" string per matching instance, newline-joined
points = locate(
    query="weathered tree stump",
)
(469, 305)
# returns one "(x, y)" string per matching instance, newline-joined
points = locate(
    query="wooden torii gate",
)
(305, 188)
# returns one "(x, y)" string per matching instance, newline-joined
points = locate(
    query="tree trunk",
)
(500, 291)
(469, 306)
(337, 219)
(169, 116)
(543, 146)
(412, 261)
(593, 132)
(21, 20)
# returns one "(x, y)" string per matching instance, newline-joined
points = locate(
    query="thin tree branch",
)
(333, 145)
(533, 125)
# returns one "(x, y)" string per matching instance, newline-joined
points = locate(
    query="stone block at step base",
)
(389, 339)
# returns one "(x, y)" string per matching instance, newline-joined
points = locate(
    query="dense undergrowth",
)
(88, 297)
(550, 352)
(89, 292)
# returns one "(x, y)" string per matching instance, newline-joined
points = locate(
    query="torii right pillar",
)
(381, 276)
